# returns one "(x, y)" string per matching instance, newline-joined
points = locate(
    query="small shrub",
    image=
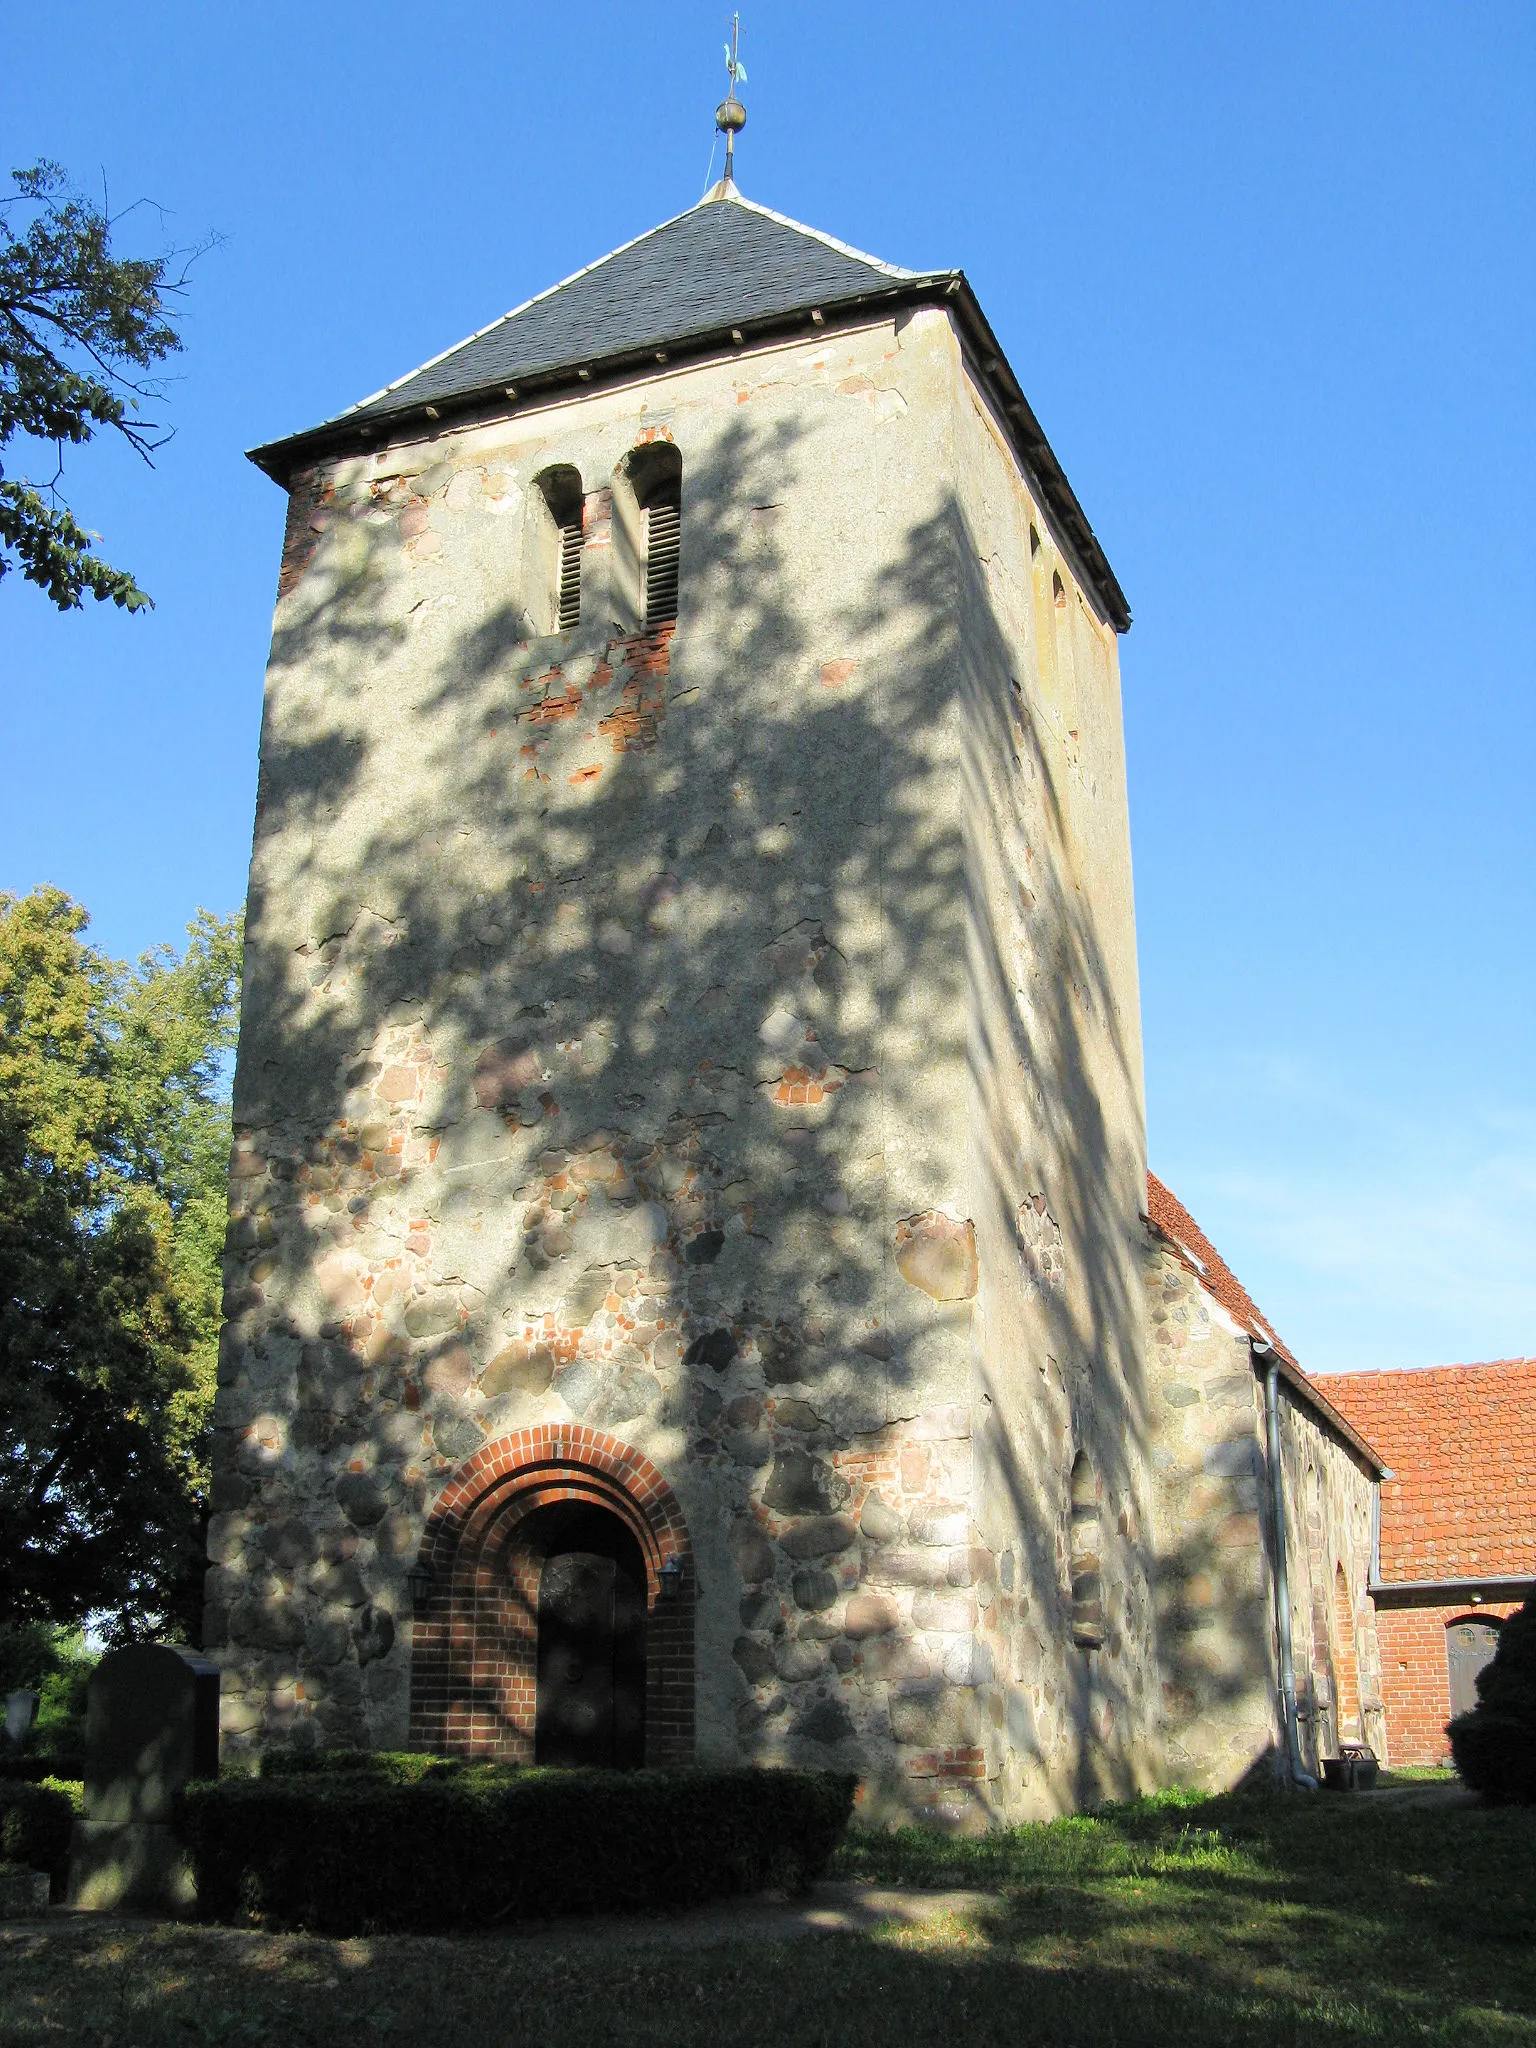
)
(36, 1822)
(348, 1852)
(1495, 1744)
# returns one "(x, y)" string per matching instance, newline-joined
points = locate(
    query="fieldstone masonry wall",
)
(1220, 1698)
(1056, 1167)
(609, 1073)
(1214, 1532)
(1334, 1642)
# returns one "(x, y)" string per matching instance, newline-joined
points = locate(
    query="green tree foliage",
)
(114, 1146)
(1495, 1743)
(76, 323)
(53, 1662)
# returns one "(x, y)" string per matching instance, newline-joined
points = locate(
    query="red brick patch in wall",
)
(307, 520)
(474, 1640)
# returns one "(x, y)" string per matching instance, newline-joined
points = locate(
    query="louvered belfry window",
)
(555, 606)
(568, 608)
(663, 533)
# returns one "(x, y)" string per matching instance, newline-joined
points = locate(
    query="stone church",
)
(690, 1259)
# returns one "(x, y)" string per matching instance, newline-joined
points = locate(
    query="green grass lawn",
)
(1229, 1921)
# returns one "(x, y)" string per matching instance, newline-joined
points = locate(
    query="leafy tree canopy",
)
(114, 1148)
(79, 326)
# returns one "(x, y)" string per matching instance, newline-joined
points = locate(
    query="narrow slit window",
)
(1087, 1566)
(1346, 1667)
(663, 538)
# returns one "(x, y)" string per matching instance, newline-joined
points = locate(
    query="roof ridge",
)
(1469, 1365)
(819, 235)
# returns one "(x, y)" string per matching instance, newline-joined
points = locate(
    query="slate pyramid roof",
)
(717, 266)
(725, 272)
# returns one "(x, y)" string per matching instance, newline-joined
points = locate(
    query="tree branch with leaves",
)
(81, 328)
(114, 1155)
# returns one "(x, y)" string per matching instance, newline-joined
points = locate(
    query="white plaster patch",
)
(781, 1031)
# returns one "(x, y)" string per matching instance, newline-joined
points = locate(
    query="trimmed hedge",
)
(353, 1853)
(1495, 1744)
(390, 1766)
(33, 1769)
(36, 1822)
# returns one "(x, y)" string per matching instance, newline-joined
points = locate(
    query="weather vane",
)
(731, 115)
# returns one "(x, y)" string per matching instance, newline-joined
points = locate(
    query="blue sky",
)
(1267, 276)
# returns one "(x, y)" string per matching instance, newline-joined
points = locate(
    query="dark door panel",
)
(1469, 1645)
(590, 1706)
(574, 1717)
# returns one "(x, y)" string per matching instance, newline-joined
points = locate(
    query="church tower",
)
(684, 1296)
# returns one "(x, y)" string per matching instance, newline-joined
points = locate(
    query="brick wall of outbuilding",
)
(1415, 1676)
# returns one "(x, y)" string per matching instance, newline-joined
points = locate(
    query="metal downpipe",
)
(1300, 1775)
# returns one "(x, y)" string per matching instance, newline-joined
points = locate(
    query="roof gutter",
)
(361, 432)
(1496, 1587)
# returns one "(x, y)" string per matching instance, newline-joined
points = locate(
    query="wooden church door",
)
(590, 1706)
(1469, 1645)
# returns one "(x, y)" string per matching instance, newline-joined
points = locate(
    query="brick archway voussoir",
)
(473, 1682)
(531, 1460)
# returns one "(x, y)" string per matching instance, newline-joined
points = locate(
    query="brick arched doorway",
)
(554, 1522)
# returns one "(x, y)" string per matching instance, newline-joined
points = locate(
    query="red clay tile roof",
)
(1199, 1256)
(1206, 1263)
(1461, 1440)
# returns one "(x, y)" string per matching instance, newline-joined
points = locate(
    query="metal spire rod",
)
(731, 115)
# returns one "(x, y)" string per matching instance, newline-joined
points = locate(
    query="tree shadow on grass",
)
(1384, 1903)
(1064, 1968)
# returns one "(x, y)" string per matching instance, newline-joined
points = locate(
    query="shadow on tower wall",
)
(553, 895)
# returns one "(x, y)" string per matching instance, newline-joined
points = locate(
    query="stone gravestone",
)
(152, 1724)
(20, 1713)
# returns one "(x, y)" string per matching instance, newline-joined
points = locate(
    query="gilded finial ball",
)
(730, 116)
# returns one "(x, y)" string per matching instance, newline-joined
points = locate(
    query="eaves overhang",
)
(1306, 1389)
(359, 432)
(1448, 1592)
